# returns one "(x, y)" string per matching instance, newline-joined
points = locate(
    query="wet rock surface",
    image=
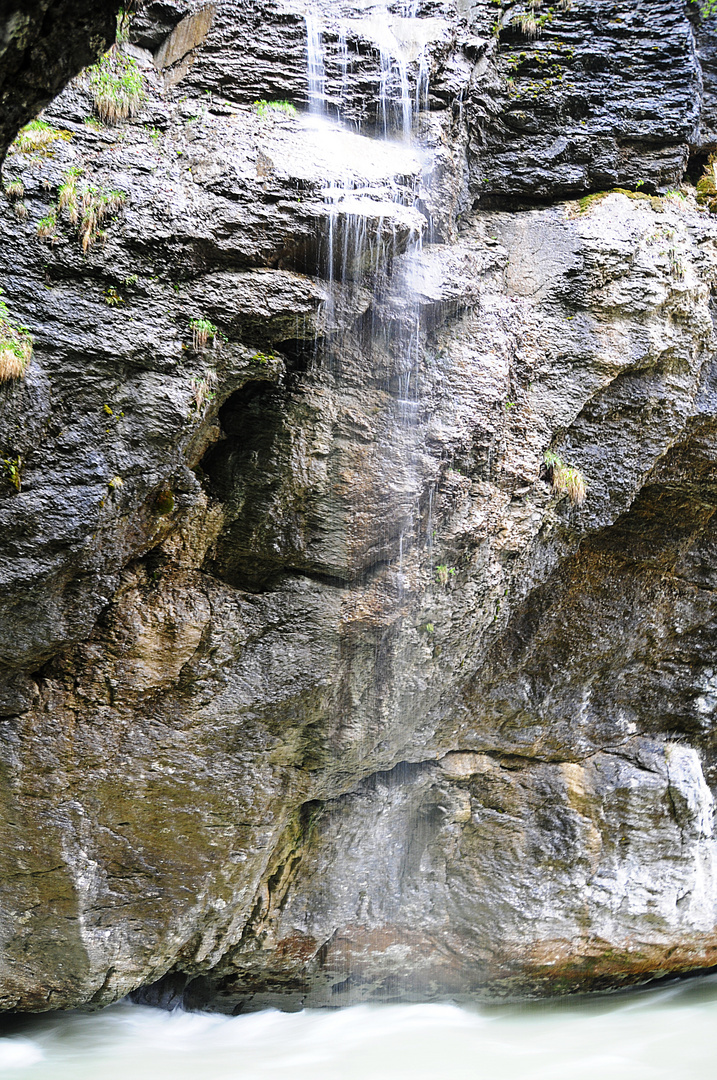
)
(314, 690)
(606, 95)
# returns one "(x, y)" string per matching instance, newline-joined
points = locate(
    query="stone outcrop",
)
(314, 688)
(43, 44)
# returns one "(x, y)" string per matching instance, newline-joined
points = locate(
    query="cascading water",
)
(372, 242)
(402, 55)
(316, 70)
(372, 245)
(394, 91)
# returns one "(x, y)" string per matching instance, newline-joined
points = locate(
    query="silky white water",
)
(666, 1033)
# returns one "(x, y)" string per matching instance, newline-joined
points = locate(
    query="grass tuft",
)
(203, 331)
(266, 108)
(37, 137)
(94, 206)
(15, 346)
(117, 86)
(15, 189)
(203, 392)
(85, 207)
(565, 479)
(47, 226)
(67, 194)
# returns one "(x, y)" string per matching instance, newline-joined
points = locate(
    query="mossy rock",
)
(588, 201)
(164, 504)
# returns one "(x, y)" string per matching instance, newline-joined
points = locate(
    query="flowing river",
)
(663, 1032)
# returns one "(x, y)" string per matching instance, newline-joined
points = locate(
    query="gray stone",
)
(43, 44)
(313, 690)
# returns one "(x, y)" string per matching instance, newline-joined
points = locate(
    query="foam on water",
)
(660, 1034)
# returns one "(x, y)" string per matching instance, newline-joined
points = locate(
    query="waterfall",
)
(372, 244)
(369, 261)
(315, 65)
(394, 93)
(391, 37)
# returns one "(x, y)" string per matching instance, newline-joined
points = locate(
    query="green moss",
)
(588, 201)
(12, 470)
(38, 138)
(655, 201)
(262, 358)
(164, 503)
(707, 185)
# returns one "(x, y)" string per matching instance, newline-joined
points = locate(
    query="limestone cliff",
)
(316, 688)
(43, 44)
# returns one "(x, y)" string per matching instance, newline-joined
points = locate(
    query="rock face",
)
(315, 689)
(43, 44)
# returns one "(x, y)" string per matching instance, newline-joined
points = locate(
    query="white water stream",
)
(666, 1033)
(400, 38)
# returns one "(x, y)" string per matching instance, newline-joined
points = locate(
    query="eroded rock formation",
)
(43, 44)
(314, 690)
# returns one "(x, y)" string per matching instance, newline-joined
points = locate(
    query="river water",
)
(664, 1032)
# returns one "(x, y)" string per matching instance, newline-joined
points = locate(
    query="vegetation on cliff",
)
(15, 346)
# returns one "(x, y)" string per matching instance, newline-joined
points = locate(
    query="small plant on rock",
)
(47, 226)
(15, 346)
(12, 469)
(164, 503)
(14, 189)
(262, 358)
(203, 331)
(565, 479)
(528, 22)
(266, 108)
(38, 137)
(84, 207)
(124, 18)
(94, 207)
(67, 194)
(113, 297)
(203, 392)
(707, 185)
(117, 86)
(444, 573)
